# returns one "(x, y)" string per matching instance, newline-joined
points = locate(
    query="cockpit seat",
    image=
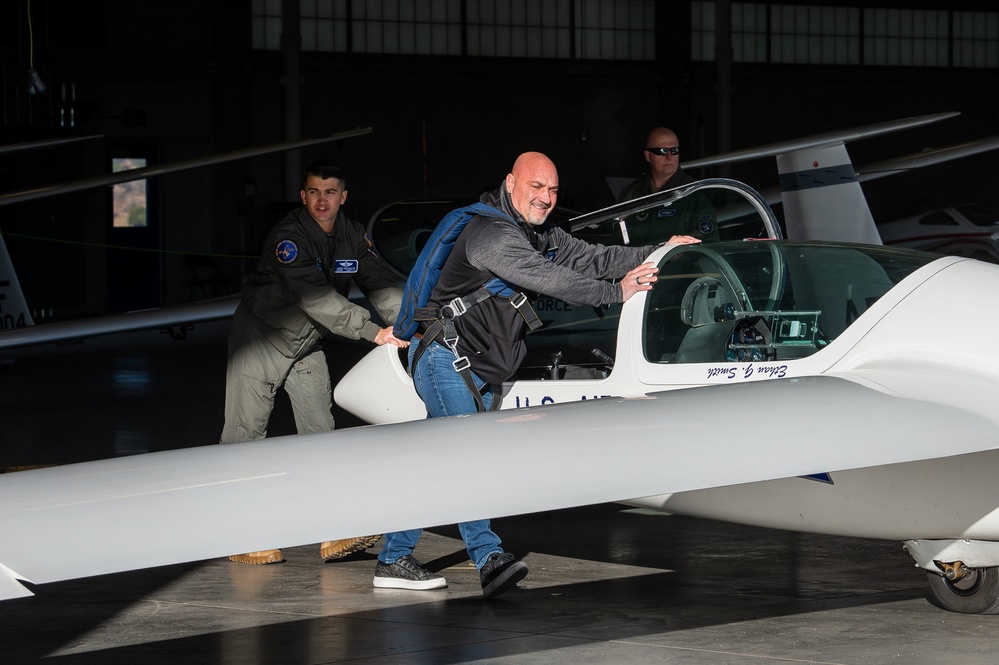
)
(708, 307)
(707, 300)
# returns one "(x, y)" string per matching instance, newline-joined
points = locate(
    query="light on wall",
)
(35, 84)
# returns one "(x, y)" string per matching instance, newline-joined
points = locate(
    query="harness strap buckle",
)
(449, 333)
(427, 313)
(454, 309)
(523, 307)
(461, 364)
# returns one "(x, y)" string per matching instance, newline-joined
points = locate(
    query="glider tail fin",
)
(822, 196)
(13, 308)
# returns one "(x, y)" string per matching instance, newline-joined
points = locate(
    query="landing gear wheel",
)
(975, 593)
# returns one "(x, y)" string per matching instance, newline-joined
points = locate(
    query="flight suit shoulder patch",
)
(286, 251)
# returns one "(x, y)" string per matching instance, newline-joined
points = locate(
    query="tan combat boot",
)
(337, 549)
(258, 558)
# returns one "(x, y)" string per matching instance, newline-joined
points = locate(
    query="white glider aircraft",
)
(962, 229)
(871, 367)
(825, 340)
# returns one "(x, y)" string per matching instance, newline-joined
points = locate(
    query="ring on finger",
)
(638, 281)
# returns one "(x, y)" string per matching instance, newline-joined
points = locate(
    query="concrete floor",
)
(608, 584)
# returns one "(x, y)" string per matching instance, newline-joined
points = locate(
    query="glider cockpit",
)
(743, 295)
(760, 301)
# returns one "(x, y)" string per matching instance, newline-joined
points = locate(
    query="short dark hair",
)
(323, 169)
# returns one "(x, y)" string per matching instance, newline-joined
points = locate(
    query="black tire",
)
(975, 593)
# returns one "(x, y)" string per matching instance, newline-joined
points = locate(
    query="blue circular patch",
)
(707, 227)
(286, 252)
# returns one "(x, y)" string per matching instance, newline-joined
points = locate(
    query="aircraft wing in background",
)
(46, 143)
(17, 329)
(819, 185)
(162, 169)
(18, 332)
(823, 139)
(178, 318)
(820, 191)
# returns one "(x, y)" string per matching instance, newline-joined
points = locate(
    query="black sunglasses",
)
(664, 151)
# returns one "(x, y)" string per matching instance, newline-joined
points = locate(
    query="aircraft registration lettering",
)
(524, 400)
(8, 322)
(552, 305)
(770, 371)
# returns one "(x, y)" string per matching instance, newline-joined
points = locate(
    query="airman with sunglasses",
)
(696, 217)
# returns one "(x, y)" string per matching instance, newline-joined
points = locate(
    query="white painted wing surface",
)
(109, 179)
(197, 503)
(176, 315)
(818, 140)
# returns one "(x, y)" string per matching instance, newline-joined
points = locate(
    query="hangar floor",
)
(608, 584)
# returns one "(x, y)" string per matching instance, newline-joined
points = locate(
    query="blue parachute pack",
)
(429, 263)
(440, 320)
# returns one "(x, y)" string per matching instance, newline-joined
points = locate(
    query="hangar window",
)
(815, 35)
(842, 35)
(266, 24)
(906, 37)
(129, 198)
(427, 27)
(749, 39)
(566, 29)
(615, 30)
(323, 26)
(763, 32)
(976, 39)
(514, 30)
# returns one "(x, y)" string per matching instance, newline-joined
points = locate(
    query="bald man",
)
(693, 216)
(519, 247)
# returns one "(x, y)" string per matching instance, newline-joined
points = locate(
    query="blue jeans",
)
(445, 394)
